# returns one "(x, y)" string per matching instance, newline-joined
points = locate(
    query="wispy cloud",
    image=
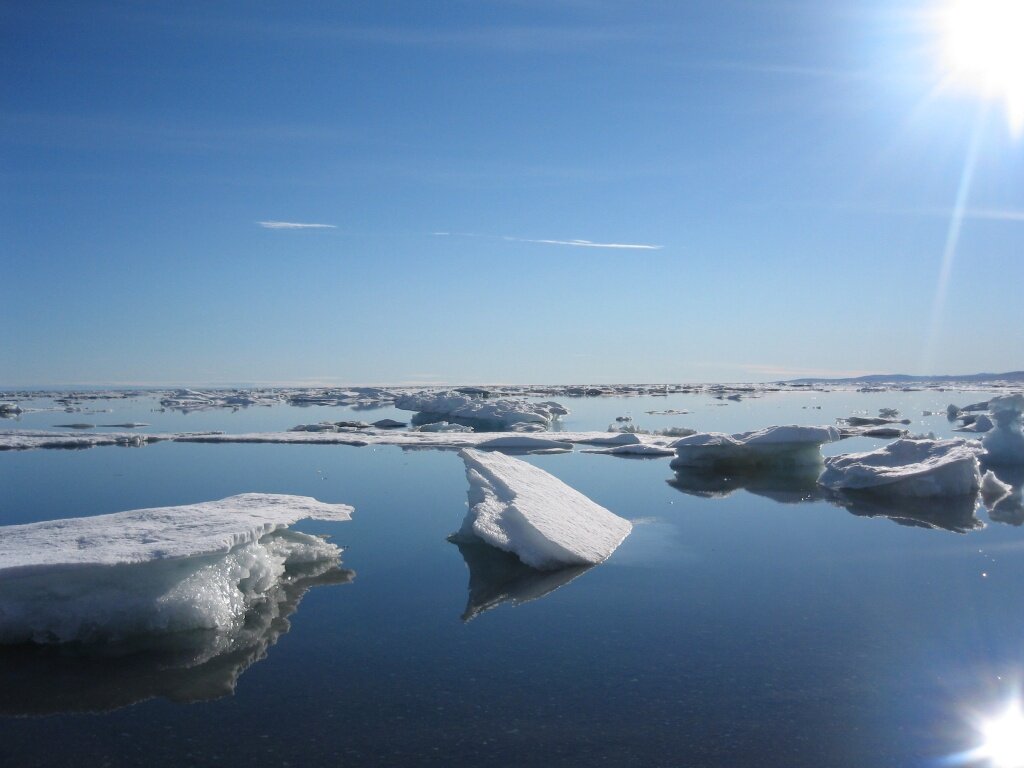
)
(293, 225)
(543, 241)
(587, 244)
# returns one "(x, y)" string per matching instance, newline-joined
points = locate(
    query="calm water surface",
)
(745, 622)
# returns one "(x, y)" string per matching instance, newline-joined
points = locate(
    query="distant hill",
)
(903, 378)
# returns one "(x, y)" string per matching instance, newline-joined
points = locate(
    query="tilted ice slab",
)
(786, 446)
(908, 468)
(1004, 444)
(522, 509)
(502, 413)
(152, 571)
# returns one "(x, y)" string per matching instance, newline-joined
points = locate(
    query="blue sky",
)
(795, 162)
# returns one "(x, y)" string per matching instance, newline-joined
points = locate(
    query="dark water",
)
(745, 622)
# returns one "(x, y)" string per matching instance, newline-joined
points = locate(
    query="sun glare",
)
(985, 48)
(1003, 739)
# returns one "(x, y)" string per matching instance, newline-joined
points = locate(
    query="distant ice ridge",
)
(154, 571)
(1004, 444)
(917, 468)
(783, 446)
(522, 509)
(497, 413)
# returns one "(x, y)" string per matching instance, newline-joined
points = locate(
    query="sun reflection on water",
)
(1002, 740)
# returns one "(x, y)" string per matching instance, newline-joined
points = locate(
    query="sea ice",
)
(522, 509)
(980, 423)
(497, 414)
(152, 571)
(784, 446)
(1004, 443)
(908, 468)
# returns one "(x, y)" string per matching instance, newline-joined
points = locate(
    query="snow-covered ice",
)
(492, 413)
(782, 446)
(151, 571)
(908, 468)
(1004, 443)
(522, 509)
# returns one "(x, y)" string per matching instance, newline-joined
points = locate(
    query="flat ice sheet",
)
(161, 533)
(522, 509)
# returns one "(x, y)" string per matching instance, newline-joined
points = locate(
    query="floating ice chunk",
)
(520, 508)
(10, 409)
(388, 424)
(785, 446)
(151, 571)
(527, 426)
(499, 413)
(980, 423)
(908, 468)
(1004, 444)
(635, 449)
(443, 426)
(524, 443)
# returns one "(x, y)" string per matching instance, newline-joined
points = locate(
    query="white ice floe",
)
(522, 509)
(908, 468)
(152, 571)
(443, 426)
(980, 423)
(524, 443)
(783, 446)
(635, 449)
(496, 413)
(1004, 443)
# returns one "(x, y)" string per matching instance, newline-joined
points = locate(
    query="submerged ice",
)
(154, 571)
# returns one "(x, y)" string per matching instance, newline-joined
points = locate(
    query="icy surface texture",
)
(153, 571)
(919, 468)
(785, 446)
(522, 509)
(501, 413)
(1004, 443)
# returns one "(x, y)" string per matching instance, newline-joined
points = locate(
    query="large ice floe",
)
(783, 446)
(155, 571)
(520, 508)
(907, 467)
(481, 412)
(1004, 443)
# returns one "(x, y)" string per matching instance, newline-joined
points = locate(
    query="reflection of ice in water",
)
(496, 577)
(1006, 507)
(787, 486)
(197, 665)
(950, 513)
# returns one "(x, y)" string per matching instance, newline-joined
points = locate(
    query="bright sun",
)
(985, 48)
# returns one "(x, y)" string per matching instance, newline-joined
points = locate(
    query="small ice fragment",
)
(522, 509)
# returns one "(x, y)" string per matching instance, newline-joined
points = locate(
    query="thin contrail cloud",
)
(293, 225)
(544, 241)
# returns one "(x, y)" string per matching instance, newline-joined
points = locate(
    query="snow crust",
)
(781, 446)
(522, 509)
(1004, 443)
(152, 571)
(501, 413)
(919, 468)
